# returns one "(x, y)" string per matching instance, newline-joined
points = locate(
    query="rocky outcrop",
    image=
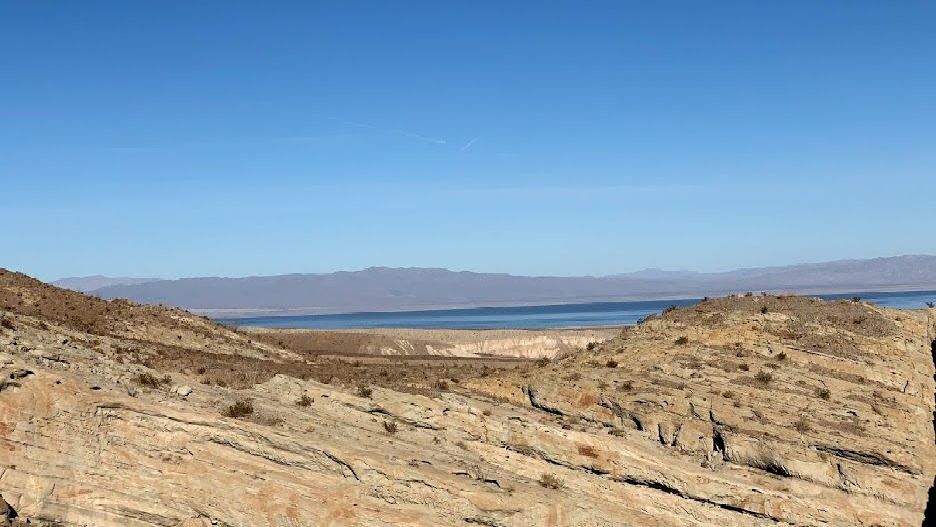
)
(670, 424)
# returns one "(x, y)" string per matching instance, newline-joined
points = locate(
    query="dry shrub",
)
(763, 377)
(587, 451)
(802, 425)
(550, 481)
(611, 363)
(241, 408)
(364, 391)
(151, 381)
(7, 323)
(390, 427)
(305, 400)
(824, 394)
(682, 341)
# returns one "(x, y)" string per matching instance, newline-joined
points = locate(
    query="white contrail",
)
(469, 144)
(397, 131)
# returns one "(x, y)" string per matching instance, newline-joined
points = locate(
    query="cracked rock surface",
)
(749, 411)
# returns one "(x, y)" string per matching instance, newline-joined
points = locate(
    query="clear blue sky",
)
(233, 138)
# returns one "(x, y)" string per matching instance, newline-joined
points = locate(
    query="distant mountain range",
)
(394, 289)
(86, 284)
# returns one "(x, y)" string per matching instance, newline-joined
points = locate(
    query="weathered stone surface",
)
(642, 431)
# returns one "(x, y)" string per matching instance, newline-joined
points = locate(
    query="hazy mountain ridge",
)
(389, 289)
(86, 284)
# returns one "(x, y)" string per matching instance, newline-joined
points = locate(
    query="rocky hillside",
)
(740, 412)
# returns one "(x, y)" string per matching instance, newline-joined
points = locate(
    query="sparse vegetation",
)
(7, 324)
(591, 346)
(781, 356)
(611, 363)
(542, 362)
(587, 451)
(626, 386)
(824, 394)
(764, 377)
(550, 481)
(802, 425)
(241, 408)
(305, 400)
(764, 310)
(744, 366)
(682, 341)
(151, 381)
(365, 391)
(390, 427)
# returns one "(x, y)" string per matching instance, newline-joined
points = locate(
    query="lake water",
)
(532, 317)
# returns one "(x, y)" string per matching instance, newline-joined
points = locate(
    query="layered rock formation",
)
(738, 412)
(525, 343)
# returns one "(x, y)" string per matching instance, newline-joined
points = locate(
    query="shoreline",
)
(221, 315)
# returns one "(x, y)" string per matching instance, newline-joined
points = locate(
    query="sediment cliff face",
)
(519, 343)
(740, 412)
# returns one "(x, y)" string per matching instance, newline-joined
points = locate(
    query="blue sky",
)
(233, 138)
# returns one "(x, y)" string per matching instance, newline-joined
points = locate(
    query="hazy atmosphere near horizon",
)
(206, 139)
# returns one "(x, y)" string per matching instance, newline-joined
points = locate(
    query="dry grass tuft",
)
(151, 381)
(550, 481)
(241, 408)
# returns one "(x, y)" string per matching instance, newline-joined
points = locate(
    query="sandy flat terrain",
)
(524, 343)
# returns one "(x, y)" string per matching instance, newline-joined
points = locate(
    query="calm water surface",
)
(532, 317)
